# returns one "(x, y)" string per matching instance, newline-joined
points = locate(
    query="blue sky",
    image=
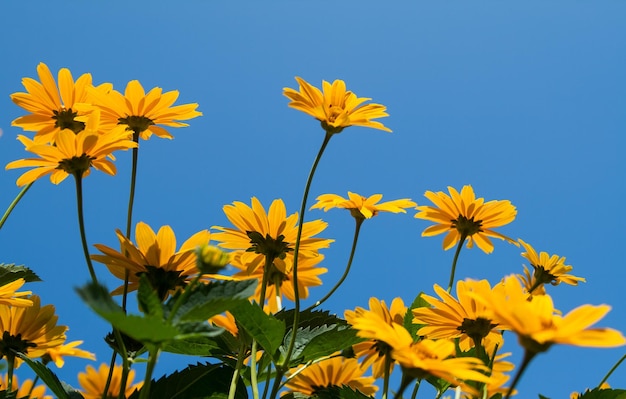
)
(526, 101)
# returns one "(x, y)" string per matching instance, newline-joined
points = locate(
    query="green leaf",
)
(148, 299)
(308, 318)
(207, 300)
(200, 381)
(604, 394)
(419, 302)
(439, 383)
(330, 341)
(267, 330)
(11, 272)
(48, 377)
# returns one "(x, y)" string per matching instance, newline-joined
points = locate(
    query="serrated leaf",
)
(148, 299)
(330, 341)
(11, 272)
(309, 318)
(604, 394)
(419, 302)
(200, 381)
(267, 330)
(207, 300)
(47, 376)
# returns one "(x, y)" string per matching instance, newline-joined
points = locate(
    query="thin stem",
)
(81, 224)
(152, 360)
(415, 389)
(404, 383)
(14, 203)
(456, 258)
(615, 366)
(269, 261)
(240, 358)
(528, 356)
(357, 229)
(268, 375)
(11, 367)
(110, 376)
(386, 373)
(535, 286)
(129, 215)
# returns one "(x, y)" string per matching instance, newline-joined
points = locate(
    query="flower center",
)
(467, 226)
(14, 343)
(544, 277)
(476, 329)
(163, 281)
(65, 120)
(271, 247)
(136, 123)
(76, 165)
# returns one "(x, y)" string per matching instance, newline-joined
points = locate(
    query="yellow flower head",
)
(24, 389)
(538, 325)
(57, 353)
(372, 350)
(9, 296)
(335, 107)
(53, 108)
(549, 269)
(155, 256)
(361, 207)
(141, 113)
(72, 154)
(258, 233)
(462, 215)
(93, 381)
(464, 318)
(31, 330)
(334, 372)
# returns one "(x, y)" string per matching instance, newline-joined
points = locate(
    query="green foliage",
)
(11, 272)
(200, 381)
(345, 392)
(412, 328)
(148, 299)
(326, 340)
(266, 329)
(58, 388)
(603, 394)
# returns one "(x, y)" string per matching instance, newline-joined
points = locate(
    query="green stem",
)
(240, 358)
(535, 286)
(386, 373)
(528, 356)
(81, 224)
(125, 363)
(269, 261)
(404, 383)
(129, 214)
(11, 367)
(152, 360)
(105, 393)
(415, 389)
(456, 258)
(359, 222)
(32, 387)
(615, 366)
(14, 203)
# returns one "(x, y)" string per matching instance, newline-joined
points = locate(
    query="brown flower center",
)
(76, 165)
(65, 119)
(467, 227)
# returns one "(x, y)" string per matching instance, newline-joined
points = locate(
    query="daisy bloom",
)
(142, 113)
(361, 207)
(72, 154)
(93, 381)
(548, 268)
(462, 318)
(372, 350)
(463, 216)
(334, 372)
(9, 296)
(155, 256)
(335, 107)
(53, 108)
(537, 324)
(257, 234)
(24, 389)
(56, 354)
(31, 330)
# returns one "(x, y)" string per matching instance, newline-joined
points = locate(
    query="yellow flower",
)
(32, 330)
(9, 296)
(334, 372)
(462, 215)
(548, 269)
(335, 107)
(464, 318)
(72, 153)
(53, 108)
(93, 381)
(530, 283)
(56, 353)
(372, 350)
(361, 207)
(155, 256)
(227, 322)
(281, 283)
(538, 325)
(25, 389)
(258, 233)
(142, 113)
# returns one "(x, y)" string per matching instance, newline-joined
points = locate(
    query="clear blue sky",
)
(526, 101)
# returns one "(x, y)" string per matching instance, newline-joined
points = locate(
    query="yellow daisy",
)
(53, 108)
(31, 330)
(9, 296)
(258, 233)
(335, 107)
(72, 153)
(463, 216)
(361, 207)
(24, 389)
(93, 381)
(57, 353)
(143, 113)
(548, 268)
(373, 351)
(155, 256)
(465, 318)
(334, 372)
